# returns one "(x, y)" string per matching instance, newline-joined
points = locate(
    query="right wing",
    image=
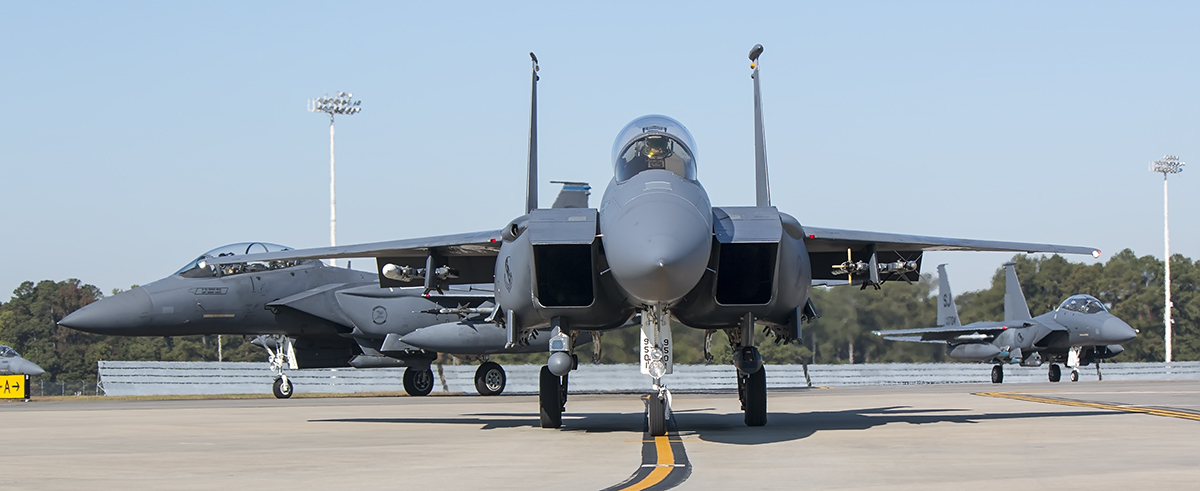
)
(978, 331)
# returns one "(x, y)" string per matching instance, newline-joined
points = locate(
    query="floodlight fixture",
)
(343, 104)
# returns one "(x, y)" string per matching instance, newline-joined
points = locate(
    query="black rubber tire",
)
(550, 399)
(281, 389)
(756, 398)
(490, 379)
(1074, 375)
(1055, 372)
(418, 382)
(998, 374)
(562, 390)
(657, 413)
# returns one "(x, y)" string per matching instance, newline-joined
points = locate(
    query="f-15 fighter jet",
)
(309, 315)
(657, 246)
(1078, 332)
(11, 363)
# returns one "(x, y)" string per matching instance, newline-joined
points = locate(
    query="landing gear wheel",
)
(998, 374)
(1055, 372)
(418, 382)
(1074, 375)
(657, 412)
(562, 392)
(550, 399)
(282, 388)
(490, 379)
(755, 400)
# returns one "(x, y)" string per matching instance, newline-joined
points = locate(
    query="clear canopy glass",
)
(6, 352)
(195, 269)
(654, 142)
(1084, 304)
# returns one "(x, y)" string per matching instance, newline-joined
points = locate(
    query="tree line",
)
(1129, 285)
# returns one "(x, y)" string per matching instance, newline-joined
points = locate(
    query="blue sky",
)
(138, 135)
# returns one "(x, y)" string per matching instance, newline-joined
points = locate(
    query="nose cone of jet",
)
(658, 251)
(1116, 331)
(120, 312)
(27, 367)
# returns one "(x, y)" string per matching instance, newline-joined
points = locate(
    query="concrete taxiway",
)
(1109, 434)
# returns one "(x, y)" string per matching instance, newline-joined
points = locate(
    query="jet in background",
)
(656, 246)
(1080, 331)
(11, 363)
(310, 315)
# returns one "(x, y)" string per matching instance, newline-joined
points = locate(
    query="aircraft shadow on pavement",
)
(729, 428)
(632, 423)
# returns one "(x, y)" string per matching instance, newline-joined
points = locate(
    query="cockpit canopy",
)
(1084, 304)
(6, 352)
(196, 269)
(654, 142)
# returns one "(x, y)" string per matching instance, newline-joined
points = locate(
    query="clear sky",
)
(138, 135)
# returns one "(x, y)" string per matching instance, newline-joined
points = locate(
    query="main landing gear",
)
(997, 374)
(418, 381)
(552, 398)
(752, 390)
(752, 376)
(1055, 372)
(490, 379)
(552, 383)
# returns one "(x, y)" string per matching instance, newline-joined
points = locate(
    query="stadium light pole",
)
(344, 104)
(1169, 164)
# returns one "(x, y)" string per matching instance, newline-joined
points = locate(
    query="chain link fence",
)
(43, 388)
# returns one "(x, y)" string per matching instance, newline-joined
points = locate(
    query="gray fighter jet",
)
(655, 246)
(309, 315)
(12, 364)
(306, 314)
(1077, 333)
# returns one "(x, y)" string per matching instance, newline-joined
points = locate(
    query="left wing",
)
(876, 257)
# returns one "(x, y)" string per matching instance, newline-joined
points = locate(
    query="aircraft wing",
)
(828, 247)
(978, 331)
(472, 255)
(469, 244)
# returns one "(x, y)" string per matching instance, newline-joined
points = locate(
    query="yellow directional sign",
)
(14, 386)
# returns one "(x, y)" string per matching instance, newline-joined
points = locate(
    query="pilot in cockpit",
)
(654, 143)
(656, 150)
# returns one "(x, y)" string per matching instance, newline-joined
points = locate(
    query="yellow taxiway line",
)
(1097, 405)
(663, 467)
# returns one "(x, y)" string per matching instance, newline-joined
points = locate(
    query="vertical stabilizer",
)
(531, 188)
(762, 188)
(1014, 299)
(947, 311)
(572, 195)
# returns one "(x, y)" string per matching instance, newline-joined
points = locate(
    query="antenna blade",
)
(762, 186)
(531, 190)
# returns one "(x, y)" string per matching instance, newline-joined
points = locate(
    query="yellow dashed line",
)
(1097, 405)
